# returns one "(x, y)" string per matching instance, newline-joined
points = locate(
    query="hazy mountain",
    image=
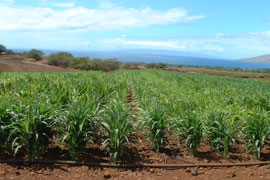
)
(167, 53)
(260, 59)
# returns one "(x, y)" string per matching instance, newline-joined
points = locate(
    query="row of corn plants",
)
(219, 111)
(69, 108)
(75, 109)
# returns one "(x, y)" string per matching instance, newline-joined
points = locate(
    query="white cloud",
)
(80, 18)
(9, 1)
(223, 45)
(143, 44)
(68, 4)
(67, 41)
(182, 44)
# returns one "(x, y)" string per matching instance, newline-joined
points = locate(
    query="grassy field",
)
(237, 73)
(76, 109)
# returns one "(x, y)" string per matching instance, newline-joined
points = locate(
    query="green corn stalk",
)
(156, 124)
(256, 130)
(118, 128)
(220, 132)
(264, 102)
(30, 130)
(5, 121)
(77, 124)
(60, 94)
(190, 129)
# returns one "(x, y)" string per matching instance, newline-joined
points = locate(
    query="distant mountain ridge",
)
(260, 59)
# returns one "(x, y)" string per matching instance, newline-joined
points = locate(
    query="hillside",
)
(258, 59)
(19, 64)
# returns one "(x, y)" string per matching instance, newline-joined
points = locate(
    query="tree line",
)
(67, 60)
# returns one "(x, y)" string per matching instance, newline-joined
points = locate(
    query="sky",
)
(225, 28)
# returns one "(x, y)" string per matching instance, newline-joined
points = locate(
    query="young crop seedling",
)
(30, 130)
(78, 124)
(219, 132)
(82, 107)
(5, 121)
(156, 124)
(117, 125)
(256, 131)
(190, 129)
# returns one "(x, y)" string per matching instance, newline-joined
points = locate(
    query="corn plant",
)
(117, 127)
(156, 124)
(77, 124)
(5, 121)
(264, 102)
(190, 130)
(187, 98)
(220, 132)
(256, 131)
(60, 94)
(30, 130)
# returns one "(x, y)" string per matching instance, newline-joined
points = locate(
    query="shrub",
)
(66, 59)
(150, 65)
(80, 63)
(60, 59)
(95, 64)
(179, 65)
(35, 54)
(10, 52)
(2, 48)
(161, 65)
(155, 65)
(129, 65)
(236, 69)
(111, 65)
(104, 65)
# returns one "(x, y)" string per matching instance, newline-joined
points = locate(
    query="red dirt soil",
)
(261, 79)
(9, 63)
(145, 154)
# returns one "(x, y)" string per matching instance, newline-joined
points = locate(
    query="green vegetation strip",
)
(82, 108)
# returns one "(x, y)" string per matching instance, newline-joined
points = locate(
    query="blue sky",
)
(226, 29)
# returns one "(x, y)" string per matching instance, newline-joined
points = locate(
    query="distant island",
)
(258, 59)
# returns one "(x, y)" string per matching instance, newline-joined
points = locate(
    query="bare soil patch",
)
(19, 64)
(142, 153)
(261, 79)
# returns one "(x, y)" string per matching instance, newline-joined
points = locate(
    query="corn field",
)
(82, 108)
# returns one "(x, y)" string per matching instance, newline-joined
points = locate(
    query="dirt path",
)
(54, 172)
(261, 79)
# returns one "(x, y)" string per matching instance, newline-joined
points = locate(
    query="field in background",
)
(18, 63)
(236, 73)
